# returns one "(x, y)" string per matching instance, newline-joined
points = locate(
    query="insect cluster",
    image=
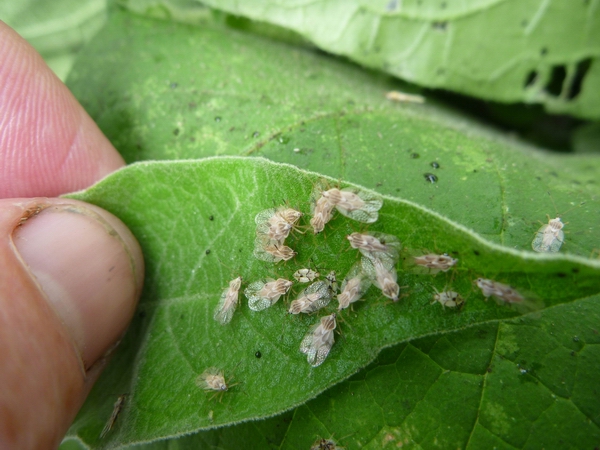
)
(378, 257)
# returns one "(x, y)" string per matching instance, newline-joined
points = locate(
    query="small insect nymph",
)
(228, 302)
(212, 379)
(318, 341)
(354, 287)
(264, 294)
(448, 299)
(306, 275)
(550, 237)
(118, 406)
(436, 263)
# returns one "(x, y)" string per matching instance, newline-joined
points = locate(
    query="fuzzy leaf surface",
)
(195, 222)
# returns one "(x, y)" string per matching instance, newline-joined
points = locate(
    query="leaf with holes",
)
(535, 51)
(291, 105)
(195, 223)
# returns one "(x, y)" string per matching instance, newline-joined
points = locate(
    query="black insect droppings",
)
(561, 275)
(208, 251)
(415, 155)
(435, 165)
(142, 314)
(258, 354)
(476, 252)
(211, 218)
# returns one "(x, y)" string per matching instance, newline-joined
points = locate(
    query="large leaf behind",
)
(507, 50)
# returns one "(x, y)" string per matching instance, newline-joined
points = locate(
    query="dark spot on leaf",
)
(414, 155)
(474, 170)
(575, 270)
(435, 165)
(489, 369)
(255, 134)
(561, 275)
(218, 119)
(258, 354)
(208, 251)
(211, 218)
(443, 5)
(232, 129)
(192, 105)
(431, 178)
(573, 353)
(544, 51)
(379, 184)
(476, 252)
(173, 85)
(142, 314)
(439, 25)
(524, 23)
(441, 71)
(176, 131)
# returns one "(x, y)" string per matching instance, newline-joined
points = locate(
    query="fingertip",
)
(48, 143)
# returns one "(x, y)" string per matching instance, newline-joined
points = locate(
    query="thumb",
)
(70, 277)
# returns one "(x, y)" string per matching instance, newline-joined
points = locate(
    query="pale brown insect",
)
(264, 294)
(325, 444)
(118, 406)
(354, 203)
(549, 238)
(403, 97)
(382, 272)
(321, 215)
(354, 286)
(228, 302)
(272, 252)
(435, 263)
(318, 341)
(501, 291)
(376, 245)
(276, 224)
(314, 297)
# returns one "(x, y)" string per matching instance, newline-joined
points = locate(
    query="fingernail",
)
(88, 265)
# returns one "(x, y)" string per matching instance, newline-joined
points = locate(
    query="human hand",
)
(70, 273)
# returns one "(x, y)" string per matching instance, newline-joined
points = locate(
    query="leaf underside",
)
(480, 377)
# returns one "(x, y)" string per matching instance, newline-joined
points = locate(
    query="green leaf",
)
(156, 89)
(57, 29)
(505, 50)
(173, 339)
(161, 90)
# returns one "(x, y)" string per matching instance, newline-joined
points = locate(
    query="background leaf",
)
(161, 90)
(506, 50)
(169, 206)
(57, 29)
